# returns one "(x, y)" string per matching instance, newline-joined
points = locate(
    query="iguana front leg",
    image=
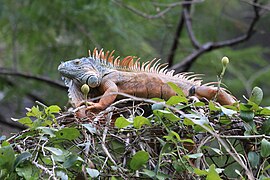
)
(110, 89)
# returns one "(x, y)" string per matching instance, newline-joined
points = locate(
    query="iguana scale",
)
(106, 75)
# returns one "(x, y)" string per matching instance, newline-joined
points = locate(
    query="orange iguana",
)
(106, 75)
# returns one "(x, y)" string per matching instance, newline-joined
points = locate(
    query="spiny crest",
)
(133, 64)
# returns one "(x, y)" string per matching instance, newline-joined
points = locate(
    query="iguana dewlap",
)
(106, 75)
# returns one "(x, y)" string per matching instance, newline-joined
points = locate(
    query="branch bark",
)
(158, 15)
(176, 40)
(10, 72)
(206, 47)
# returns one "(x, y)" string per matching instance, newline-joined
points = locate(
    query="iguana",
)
(106, 75)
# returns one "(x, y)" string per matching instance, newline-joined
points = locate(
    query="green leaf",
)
(212, 173)
(176, 89)
(166, 114)
(218, 151)
(194, 156)
(227, 112)
(265, 168)
(157, 99)
(179, 165)
(187, 141)
(149, 173)
(7, 157)
(265, 111)
(254, 159)
(138, 160)
(153, 175)
(47, 131)
(90, 128)
(62, 175)
(176, 99)
(52, 109)
(117, 146)
(171, 136)
(266, 126)
(34, 112)
(256, 95)
(113, 178)
(213, 107)
(70, 161)
(263, 177)
(26, 121)
(5, 143)
(139, 121)
(68, 133)
(265, 148)
(247, 116)
(28, 171)
(188, 122)
(199, 104)
(22, 157)
(55, 151)
(162, 176)
(93, 173)
(121, 122)
(245, 107)
(200, 172)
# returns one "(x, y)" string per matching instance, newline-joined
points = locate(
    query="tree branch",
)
(176, 40)
(189, 60)
(158, 15)
(187, 19)
(31, 96)
(4, 71)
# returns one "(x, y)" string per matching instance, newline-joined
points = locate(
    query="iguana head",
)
(83, 71)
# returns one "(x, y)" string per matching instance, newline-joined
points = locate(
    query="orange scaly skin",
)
(106, 76)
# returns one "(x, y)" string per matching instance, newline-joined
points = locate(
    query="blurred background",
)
(35, 36)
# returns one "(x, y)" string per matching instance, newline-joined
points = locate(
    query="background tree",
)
(190, 35)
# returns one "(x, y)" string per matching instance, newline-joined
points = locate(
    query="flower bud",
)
(85, 89)
(225, 61)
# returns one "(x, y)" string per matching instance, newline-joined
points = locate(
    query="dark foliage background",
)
(35, 36)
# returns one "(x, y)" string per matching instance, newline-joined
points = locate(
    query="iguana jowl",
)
(107, 75)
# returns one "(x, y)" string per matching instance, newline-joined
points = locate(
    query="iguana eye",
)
(77, 62)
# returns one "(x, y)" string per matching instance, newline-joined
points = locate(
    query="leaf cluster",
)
(182, 138)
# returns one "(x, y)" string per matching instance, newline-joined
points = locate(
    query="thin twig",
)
(246, 137)
(46, 170)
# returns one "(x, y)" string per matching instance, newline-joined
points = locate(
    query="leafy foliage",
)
(178, 140)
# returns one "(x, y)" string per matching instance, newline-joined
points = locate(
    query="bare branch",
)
(31, 96)
(189, 60)
(176, 40)
(4, 71)
(191, 35)
(257, 5)
(158, 15)
(178, 3)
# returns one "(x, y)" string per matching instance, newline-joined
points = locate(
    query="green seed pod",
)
(225, 61)
(85, 89)
(256, 95)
